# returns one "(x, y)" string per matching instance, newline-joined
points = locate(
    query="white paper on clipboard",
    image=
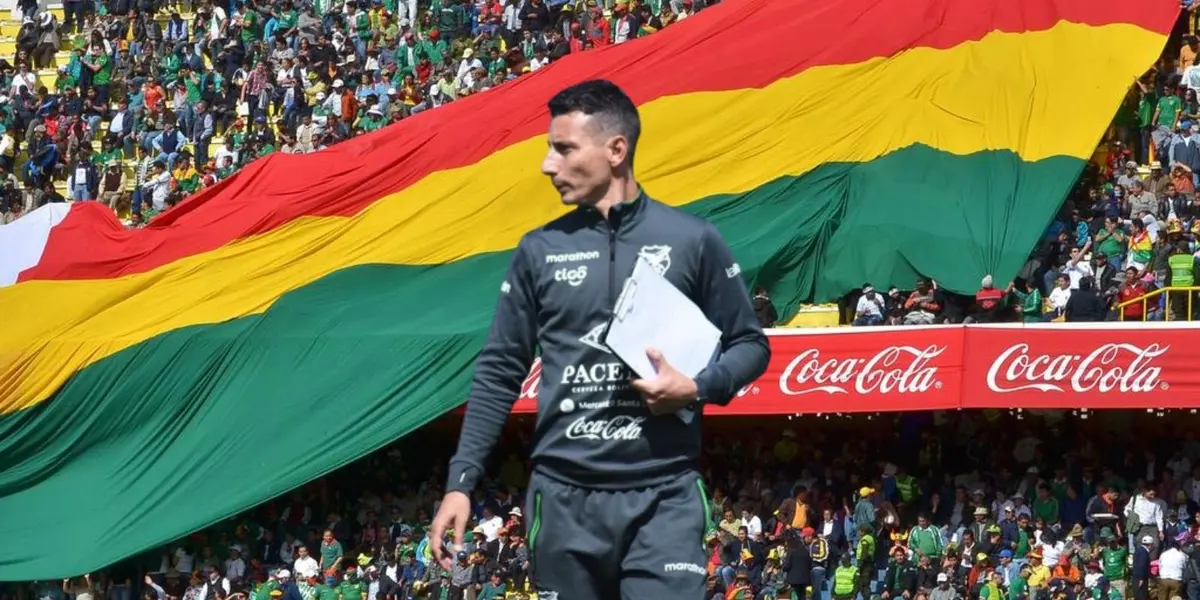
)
(652, 313)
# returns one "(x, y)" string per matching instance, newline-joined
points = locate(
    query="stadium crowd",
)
(967, 505)
(158, 100)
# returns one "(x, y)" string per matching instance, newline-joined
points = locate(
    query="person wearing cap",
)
(869, 309)
(372, 120)
(864, 554)
(1184, 148)
(864, 509)
(943, 591)
(1114, 558)
(1140, 572)
(1039, 574)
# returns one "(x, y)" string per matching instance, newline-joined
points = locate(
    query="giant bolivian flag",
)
(315, 307)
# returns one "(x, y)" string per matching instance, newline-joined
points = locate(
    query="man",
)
(614, 494)
(331, 552)
(306, 566)
(1144, 519)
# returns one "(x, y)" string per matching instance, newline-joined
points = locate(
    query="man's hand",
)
(670, 391)
(453, 513)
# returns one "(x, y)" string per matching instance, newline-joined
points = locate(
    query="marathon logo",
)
(572, 257)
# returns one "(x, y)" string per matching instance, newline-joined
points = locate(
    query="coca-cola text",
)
(1107, 368)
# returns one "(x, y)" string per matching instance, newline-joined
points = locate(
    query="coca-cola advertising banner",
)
(975, 366)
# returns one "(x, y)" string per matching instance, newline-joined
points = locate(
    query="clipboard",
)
(651, 312)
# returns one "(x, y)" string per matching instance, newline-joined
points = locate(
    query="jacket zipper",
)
(612, 266)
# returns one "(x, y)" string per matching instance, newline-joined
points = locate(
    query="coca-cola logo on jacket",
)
(893, 369)
(1114, 367)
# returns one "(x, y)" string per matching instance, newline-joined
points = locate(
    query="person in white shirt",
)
(491, 524)
(26, 79)
(1077, 268)
(869, 310)
(1060, 295)
(1149, 515)
(539, 59)
(1051, 554)
(184, 562)
(158, 187)
(306, 566)
(1170, 571)
(752, 523)
(235, 567)
(468, 64)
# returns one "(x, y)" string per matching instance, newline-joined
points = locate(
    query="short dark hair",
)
(600, 98)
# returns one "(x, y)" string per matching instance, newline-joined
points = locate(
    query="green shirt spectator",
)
(101, 66)
(1168, 111)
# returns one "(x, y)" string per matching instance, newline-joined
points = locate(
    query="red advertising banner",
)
(1112, 365)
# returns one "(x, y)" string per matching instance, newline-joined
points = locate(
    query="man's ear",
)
(618, 150)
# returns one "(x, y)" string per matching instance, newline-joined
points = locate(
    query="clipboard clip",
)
(625, 300)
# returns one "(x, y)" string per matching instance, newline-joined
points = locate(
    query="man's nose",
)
(550, 164)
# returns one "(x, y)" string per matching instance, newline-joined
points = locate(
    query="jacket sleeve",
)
(499, 371)
(726, 302)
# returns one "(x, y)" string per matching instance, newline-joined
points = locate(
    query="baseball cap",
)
(942, 578)
(865, 491)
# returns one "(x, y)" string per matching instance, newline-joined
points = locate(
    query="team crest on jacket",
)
(659, 257)
(594, 339)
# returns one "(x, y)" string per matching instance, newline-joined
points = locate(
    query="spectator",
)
(922, 306)
(1085, 304)
(989, 301)
(869, 310)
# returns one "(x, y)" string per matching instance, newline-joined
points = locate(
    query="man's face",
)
(328, 537)
(742, 534)
(581, 158)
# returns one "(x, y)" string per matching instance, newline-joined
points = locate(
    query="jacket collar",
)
(622, 213)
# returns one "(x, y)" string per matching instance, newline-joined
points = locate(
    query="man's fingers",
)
(438, 532)
(656, 358)
(460, 528)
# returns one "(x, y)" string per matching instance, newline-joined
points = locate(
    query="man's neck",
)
(620, 192)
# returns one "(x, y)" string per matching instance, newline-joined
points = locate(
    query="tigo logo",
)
(572, 276)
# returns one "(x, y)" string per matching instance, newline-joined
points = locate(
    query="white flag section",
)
(24, 240)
